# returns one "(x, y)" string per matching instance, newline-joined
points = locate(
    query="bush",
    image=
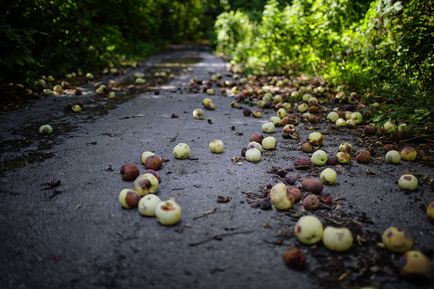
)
(383, 49)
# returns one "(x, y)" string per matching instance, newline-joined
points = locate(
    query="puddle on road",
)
(180, 62)
(30, 147)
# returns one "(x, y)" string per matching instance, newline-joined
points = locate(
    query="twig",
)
(219, 237)
(205, 214)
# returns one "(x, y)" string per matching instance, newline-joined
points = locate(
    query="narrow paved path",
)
(77, 236)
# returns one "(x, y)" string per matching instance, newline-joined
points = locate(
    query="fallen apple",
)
(311, 202)
(76, 108)
(294, 258)
(333, 116)
(268, 127)
(148, 205)
(58, 89)
(328, 176)
(396, 240)
(408, 182)
(308, 230)
(102, 89)
(293, 193)
(303, 107)
(370, 129)
(182, 151)
(281, 113)
(146, 183)
(129, 172)
(343, 157)
(216, 146)
(393, 157)
(337, 239)
(345, 147)
(277, 121)
(302, 163)
(198, 113)
(257, 113)
(416, 266)
(168, 213)
(253, 155)
(256, 137)
(363, 156)
(289, 119)
(316, 138)
(129, 198)
(313, 101)
(307, 147)
(255, 145)
(357, 117)
(153, 163)
(348, 114)
(312, 185)
(45, 129)
(288, 129)
(430, 211)
(140, 80)
(389, 127)
(277, 98)
(340, 122)
(408, 154)
(389, 147)
(319, 158)
(269, 143)
(279, 197)
(47, 92)
(206, 102)
(145, 155)
(306, 96)
(350, 123)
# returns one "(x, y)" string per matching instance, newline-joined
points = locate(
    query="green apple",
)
(315, 138)
(268, 127)
(415, 265)
(396, 240)
(328, 176)
(332, 116)
(308, 230)
(408, 182)
(337, 239)
(182, 151)
(216, 146)
(279, 197)
(319, 158)
(269, 143)
(393, 157)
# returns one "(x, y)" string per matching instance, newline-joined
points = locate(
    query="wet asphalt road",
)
(77, 236)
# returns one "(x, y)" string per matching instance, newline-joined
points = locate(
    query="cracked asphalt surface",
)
(77, 236)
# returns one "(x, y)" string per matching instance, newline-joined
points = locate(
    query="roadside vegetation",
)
(378, 51)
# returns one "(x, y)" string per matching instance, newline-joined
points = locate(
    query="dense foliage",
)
(58, 36)
(383, 49)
